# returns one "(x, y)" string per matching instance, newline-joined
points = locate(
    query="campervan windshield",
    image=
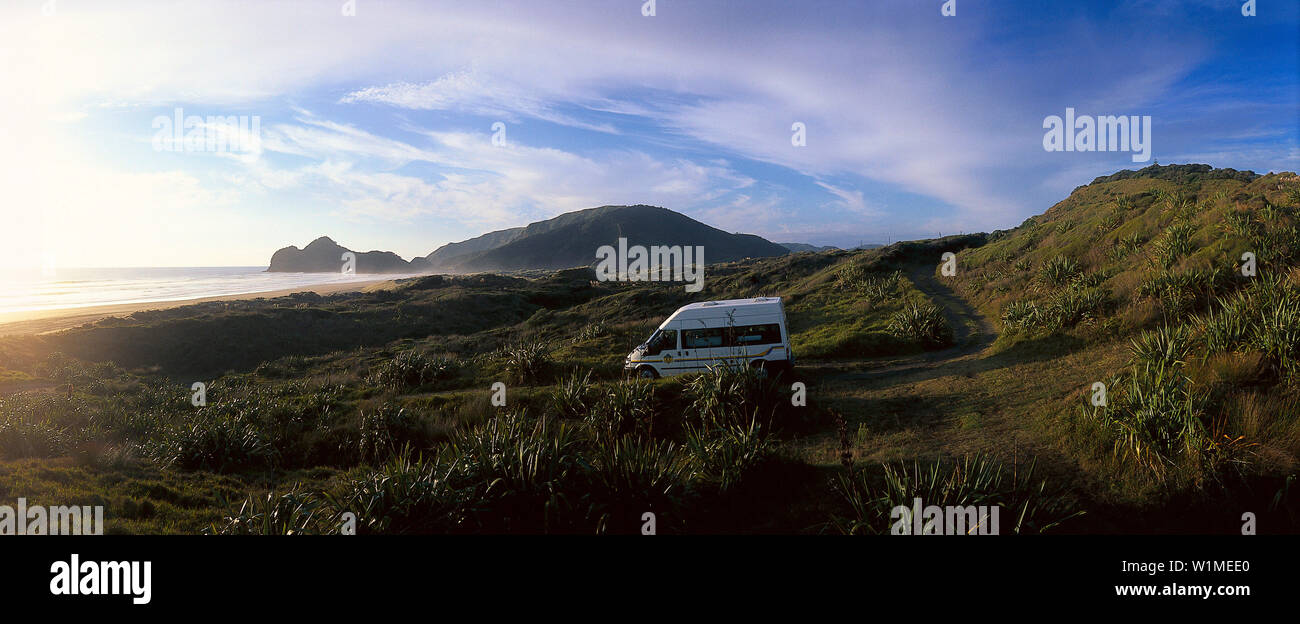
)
(661, 340)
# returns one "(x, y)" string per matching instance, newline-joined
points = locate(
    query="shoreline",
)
(47, 321)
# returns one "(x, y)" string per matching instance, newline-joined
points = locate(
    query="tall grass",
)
(1181, 293)
(1175, 431)
(1125, 247)
(872, 287)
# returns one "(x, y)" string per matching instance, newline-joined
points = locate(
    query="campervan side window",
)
(741, 336)
(702, 338)
(663, 339)
(756, 335)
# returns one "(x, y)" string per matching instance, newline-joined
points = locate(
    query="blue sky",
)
(376, 128)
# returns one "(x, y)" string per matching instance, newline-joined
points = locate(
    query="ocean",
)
(81, 288)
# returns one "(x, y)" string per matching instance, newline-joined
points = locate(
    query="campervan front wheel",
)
(646, 372)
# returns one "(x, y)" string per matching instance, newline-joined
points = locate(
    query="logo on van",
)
(659, 263)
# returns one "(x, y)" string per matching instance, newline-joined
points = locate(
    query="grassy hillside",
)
(973, 389)
(1152, 260)
(1135, 250)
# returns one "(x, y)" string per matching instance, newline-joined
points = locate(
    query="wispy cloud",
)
(912, 119)
(469, 91)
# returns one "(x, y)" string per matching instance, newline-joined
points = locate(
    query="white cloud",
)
(477, 182)
(890, 94)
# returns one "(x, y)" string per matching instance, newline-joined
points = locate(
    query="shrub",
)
(1112, 220)
(623, 407)
(874, 287)
(878, 288)
(408, 494)
(1022, 314)
(1277, 333)
(384, 430)
(1227, 328)
(1180, 293)
(1174, 244)
(210, 441)
(591, 331)
(410, 369)
(21, 438)
(971, 481)
(1264, 317)
(726, 395)
(1125, 247)
(1164, 348)
(291, 513)
(570, 397)
(1062, 310)
(726, 455)
(850, 276)
(526, 361)
(1059, 271)
(1240, 224)
(921, 322)
(636, 473)
(1156, 418)
(1072, 306)
(515, 456)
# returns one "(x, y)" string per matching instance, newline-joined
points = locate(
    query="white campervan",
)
(734, 332)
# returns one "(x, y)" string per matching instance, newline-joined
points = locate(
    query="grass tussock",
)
(922, 323)
(869, 500)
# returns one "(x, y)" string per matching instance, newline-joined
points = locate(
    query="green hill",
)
(571, 239)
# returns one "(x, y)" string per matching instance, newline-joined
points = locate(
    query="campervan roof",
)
(731, 303)
(737, 307)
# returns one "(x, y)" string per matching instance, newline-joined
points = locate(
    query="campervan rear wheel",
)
(761, 367)
(646, 372)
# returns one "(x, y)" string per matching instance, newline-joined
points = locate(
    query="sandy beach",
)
(45, 321)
